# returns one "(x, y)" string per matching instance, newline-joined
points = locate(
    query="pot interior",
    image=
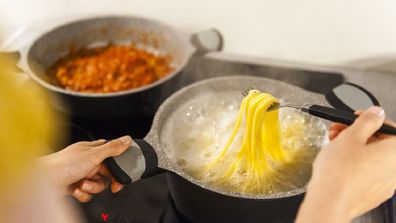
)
(164, 118)
(145, 33)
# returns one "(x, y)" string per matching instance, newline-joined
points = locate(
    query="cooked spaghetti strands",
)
(261, 147)
(243, 150)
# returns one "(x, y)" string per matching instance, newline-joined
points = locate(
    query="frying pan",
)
(147, 33)
(196, 201)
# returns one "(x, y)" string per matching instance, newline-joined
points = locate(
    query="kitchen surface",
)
(316, 46)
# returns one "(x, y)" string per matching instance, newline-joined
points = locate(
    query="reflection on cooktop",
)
(140, 202)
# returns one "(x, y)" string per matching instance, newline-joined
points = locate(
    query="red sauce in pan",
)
(110, 68)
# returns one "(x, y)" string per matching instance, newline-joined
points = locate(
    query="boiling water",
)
(202, 126)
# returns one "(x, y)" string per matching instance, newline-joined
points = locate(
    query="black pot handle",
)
(139, 161)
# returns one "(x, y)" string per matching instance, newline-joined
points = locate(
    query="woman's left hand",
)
(78, 169)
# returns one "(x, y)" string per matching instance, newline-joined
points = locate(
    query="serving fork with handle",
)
(328, 113)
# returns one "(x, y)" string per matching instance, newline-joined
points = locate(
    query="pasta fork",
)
(274, 106)
(328, 113)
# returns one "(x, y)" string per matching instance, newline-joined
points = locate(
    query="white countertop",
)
(360, 33)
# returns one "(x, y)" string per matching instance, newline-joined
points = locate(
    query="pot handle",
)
(138, 162)
(208, 41)
(13, 58)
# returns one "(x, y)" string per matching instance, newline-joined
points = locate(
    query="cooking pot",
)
(200, 202)
(148, 33)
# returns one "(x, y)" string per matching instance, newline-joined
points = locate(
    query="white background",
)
(331, 32)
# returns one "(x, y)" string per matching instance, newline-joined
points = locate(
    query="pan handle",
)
(138, 162)
(12, 57)
(208, 41)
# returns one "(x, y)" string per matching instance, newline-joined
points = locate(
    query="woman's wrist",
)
(49, 166)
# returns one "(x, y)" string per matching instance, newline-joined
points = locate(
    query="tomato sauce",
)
(110, 68)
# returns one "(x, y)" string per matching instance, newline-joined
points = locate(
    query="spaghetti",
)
(261, 150)
(239, 147)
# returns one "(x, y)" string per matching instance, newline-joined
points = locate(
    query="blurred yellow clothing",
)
(26, 127)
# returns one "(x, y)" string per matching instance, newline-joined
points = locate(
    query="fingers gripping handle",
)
(139, 161)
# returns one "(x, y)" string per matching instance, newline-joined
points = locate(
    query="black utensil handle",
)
(122, 166)
(341, 116)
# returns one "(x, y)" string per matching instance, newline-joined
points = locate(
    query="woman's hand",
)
(78, 169)
(354, 173)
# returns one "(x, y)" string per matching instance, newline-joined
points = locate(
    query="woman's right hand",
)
(354, 173)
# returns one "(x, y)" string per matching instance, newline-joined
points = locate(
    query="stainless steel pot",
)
(43, 52)
(199, 202)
